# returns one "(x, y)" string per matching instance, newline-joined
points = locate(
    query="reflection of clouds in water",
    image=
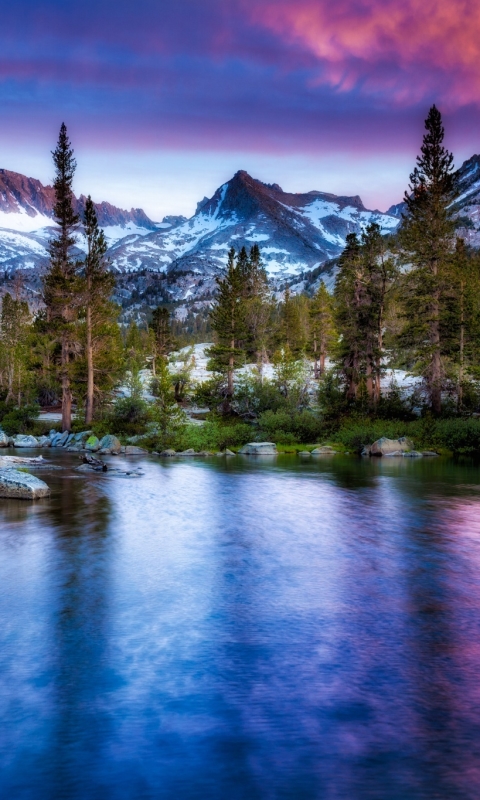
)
(311, 628)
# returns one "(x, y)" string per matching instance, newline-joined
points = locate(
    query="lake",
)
(243, 628)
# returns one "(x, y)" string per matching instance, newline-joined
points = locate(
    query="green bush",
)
(18, 420)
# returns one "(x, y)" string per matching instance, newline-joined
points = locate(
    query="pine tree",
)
(322, 327)
(168, 416)
(163, 341)
(293, 329)
(100, 312)
(60, 284)
(228, 322)
(427, 236)
(349, 296)
(15, 327)
(258, 309)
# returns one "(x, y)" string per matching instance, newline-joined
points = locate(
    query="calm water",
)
(249, 629)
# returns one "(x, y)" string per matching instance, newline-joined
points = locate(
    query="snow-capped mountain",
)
(26, 221)
(296, 232)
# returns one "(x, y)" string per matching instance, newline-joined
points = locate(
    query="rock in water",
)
(384, 446)
(324, 450)
(4, 439)
(110, 445)
(133, 450)
(92, 444)
(25, 441)
(259, 449)
(21, 485)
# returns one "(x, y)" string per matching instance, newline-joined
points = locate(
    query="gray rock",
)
(395, 453)
(429, 453)
(70, 439)
(110, 445)
(92, 444)
(80, 437)
(204, 453)
(4, 439)
(25, 441)
(324, 450)
(44, 441)
(189, 452)
(365, 451)
(259, 449)
(133, 450)
(75, 447)
(384, 446)
(412, 454)
(304, 453)
(60, 439)
(21, 485)
(167, 453)
(52, 433)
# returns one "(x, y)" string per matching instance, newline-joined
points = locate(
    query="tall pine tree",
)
(228, 322)
(427, 236)
(60, 284)
(100, 312)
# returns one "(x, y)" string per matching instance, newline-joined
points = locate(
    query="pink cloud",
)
(405, 49)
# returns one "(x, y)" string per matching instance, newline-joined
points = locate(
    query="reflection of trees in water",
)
(443, 689)
(81, 514)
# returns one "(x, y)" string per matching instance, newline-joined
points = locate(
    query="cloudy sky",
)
(165, 99)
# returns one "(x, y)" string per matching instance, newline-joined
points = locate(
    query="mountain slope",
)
(296, 232)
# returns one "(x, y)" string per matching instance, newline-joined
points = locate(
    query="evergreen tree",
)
(163, 341)
(102, 355)
(258, 309)
(427, 236)
(60, 284)
(15, 327)
(168, 416)
(293, 329)
(322, 327)
(228, 322)
(349, 296)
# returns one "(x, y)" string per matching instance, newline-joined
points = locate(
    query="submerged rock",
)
(259, 449)
(21, 485)
(133, 450)
(324, 450)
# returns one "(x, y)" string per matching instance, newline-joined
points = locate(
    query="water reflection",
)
(243, 628)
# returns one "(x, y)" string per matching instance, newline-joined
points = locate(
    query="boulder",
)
(133, 450)
(167, 453)
(412, 454)
(70, 439)
(25, 441)
(384, 446)
(44, 441)
(60, 439)
(324, 450)
(189, 452)
(259, 449)
(21, 485)
(304, 453)
(80, 437)
(92, 444)
(204, 453)
(110, 445)
(429, 453)
(4, 439)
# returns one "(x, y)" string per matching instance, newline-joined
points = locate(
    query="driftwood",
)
(96, 463)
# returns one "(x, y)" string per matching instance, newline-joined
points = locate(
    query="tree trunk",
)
(66, 389)
(462, 348)
(436, 364)
(90, 382)
(315, 368)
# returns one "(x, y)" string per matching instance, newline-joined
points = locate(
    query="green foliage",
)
(18, 420)
(129, 416)
(290, 427)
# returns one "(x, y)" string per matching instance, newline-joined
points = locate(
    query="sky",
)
(165, 100)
